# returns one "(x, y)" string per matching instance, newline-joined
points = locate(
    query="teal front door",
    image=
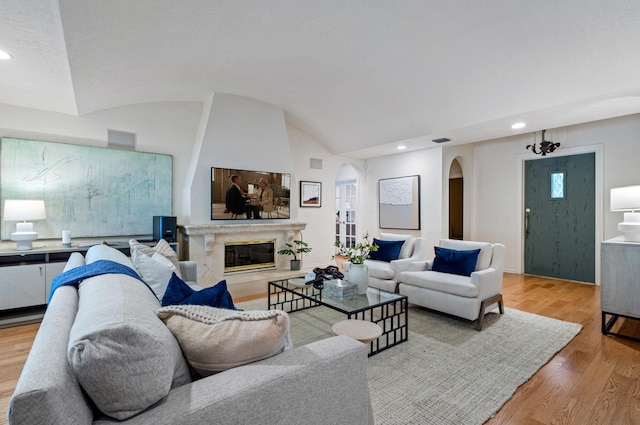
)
(559, 217)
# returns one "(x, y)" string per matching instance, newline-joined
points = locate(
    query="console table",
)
(619, 283)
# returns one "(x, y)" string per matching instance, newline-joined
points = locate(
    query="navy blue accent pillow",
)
(179, 293)
(387, 250)
(462, 262)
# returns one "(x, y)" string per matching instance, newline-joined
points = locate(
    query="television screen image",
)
(255, 194)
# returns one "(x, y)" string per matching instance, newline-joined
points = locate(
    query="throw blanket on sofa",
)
(78, 274)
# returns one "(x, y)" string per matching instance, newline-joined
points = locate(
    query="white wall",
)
(239, 133)
(167, 128)
(497, 184)
(320, 231)
(428, 164)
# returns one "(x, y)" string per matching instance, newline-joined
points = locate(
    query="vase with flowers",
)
(357, 253)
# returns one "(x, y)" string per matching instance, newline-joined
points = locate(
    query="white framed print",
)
(310, 194)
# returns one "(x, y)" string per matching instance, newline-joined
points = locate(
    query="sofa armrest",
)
(488, 281)
(47, 390)
(189, 271)
(403, 265)
(418, 255)
(303, 385)
(420, 266)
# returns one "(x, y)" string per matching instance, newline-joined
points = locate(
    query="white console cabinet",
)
(22, 286)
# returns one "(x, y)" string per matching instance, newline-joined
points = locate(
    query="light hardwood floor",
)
(595, 379)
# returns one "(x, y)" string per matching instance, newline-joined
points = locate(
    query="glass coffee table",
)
(386, 309)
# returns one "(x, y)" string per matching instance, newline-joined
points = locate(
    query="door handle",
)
(526, 221)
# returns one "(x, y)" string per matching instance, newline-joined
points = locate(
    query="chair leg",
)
(484, 304)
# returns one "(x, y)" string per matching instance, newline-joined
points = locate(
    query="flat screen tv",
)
(227, 203)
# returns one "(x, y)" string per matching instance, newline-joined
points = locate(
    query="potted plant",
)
(357, 253)
(295, 248)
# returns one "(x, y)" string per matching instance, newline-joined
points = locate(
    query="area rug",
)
(447, 372)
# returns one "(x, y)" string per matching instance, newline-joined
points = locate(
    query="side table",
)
(362, 330)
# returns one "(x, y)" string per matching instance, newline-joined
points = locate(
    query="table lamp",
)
(23, 210)
(627, 199)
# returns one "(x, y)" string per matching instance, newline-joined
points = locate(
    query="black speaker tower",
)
(165, 227)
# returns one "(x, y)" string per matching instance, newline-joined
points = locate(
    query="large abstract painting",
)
(92, 191)
(399, 202)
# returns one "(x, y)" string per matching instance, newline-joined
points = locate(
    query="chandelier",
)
(546, 146)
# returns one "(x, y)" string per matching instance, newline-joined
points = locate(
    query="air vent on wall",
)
(315, 163)
(121, 139)
(441, 140)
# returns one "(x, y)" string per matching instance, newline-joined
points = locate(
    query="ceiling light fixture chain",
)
(546, 146)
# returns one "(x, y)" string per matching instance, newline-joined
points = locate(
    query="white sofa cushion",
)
(443, 282)
(407, 247)
(484, 257)
(379, 269)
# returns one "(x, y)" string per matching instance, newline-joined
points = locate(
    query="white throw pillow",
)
(215, 339)
(156, 270)
(162, 247)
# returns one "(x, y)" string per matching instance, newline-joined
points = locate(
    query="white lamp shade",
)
(625, 198)
(24, 209)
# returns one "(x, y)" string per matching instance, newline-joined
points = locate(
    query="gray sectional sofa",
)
(138, 374)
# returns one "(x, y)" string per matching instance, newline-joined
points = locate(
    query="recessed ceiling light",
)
(4, 55)
(518, 125)
(401, 147)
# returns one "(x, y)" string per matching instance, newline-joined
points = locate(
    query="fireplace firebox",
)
(249, 255)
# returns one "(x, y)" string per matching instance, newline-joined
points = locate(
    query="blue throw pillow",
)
(462, 262)
(387, 250)
(179, 293)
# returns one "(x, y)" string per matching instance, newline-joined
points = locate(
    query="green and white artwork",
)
(92, 191)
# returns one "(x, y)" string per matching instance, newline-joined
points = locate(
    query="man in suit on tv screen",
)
(236, 199)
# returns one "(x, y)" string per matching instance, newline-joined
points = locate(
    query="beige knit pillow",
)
(215, 339)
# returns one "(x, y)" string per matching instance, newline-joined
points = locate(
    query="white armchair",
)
(382, 274)
(468, 297)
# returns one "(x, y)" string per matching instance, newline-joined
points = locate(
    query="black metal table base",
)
(608, 324)
(392, 316)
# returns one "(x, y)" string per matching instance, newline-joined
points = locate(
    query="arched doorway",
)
(456, 201)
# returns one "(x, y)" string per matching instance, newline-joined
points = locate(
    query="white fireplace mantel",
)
(248, 228)
(205, 245)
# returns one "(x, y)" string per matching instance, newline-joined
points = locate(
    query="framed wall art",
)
(310, 194)
(93, 191)
(399, 203)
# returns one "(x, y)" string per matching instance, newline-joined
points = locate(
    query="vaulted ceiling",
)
(359, 75)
